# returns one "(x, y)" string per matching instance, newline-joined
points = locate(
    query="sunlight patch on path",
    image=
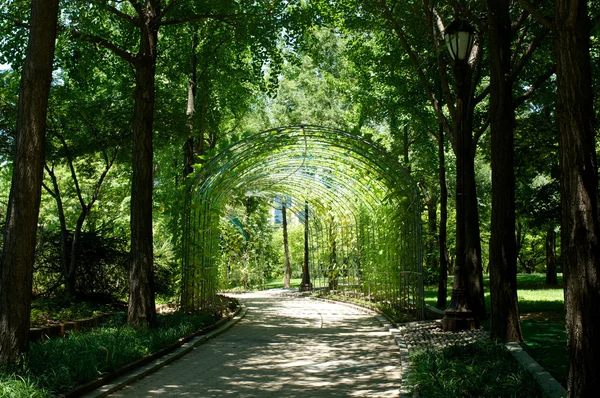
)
(285, 347)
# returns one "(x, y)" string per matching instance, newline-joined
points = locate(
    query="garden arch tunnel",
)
(359, 199)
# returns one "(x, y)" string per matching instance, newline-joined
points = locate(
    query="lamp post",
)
(459, 36)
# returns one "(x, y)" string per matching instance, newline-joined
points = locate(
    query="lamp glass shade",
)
(459, 37)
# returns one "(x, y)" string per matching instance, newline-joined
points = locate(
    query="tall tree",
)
(16, 273)
(145, 18)
(306, 285)
(580, 227)
(286, 246)
(551, 277)
(505, 324)
(112, 25)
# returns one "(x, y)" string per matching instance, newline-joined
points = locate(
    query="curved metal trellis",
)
(361, 200)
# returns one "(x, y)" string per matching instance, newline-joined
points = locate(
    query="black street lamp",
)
(460, 36)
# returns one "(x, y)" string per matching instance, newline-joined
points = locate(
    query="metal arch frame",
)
(344, 177)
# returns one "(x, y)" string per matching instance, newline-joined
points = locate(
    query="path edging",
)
(158, 363)
(547, 382)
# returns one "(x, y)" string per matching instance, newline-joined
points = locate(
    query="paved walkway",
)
(285, 347)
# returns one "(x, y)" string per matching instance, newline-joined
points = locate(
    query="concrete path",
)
(285, 347)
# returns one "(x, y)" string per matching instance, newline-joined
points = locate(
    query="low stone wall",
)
(60, 329)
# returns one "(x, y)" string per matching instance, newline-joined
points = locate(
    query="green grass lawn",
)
(542, 319)
(277, 283)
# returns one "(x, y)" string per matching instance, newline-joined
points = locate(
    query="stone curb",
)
(153, 366)
(551, 387)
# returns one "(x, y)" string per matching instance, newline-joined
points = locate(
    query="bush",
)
(103, 264)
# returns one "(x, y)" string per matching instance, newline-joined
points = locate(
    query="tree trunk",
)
(71, 277)
(442, 240)
(286, 246)
(551, 278)
(16, 267)
(64, 233)
(188, 149)
(305, 285)
(432, 237)
(505, 325)
(332, 275)
(580, 229)
(142, 310)
(405, 150)
(432, 225)
(472, 261)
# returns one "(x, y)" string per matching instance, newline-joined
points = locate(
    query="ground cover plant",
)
(482, 369)
(13, 385)
(542, 314)
(58, 365)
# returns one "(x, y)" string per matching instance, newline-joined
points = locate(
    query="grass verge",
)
(482, 369)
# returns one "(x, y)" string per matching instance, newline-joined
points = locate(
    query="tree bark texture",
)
(505, 325)
(443, 280)
(16, 273)
(551, 277)
(472, 261)
(305, 285)
(580, 229)
(142, 310)
(286, 246)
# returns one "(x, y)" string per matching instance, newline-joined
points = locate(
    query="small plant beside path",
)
(541, 307)
(58, 365)
(482, 369)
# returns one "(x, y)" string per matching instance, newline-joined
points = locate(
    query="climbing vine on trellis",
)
(364, 223)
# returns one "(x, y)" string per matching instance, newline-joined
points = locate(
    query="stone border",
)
(56, 330)
(143, 367)
(551, 387)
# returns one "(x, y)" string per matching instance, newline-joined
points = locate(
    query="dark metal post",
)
(458, 315)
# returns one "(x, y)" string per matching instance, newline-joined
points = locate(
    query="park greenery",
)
(110, 109)
(57, 366)
(492, 372)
